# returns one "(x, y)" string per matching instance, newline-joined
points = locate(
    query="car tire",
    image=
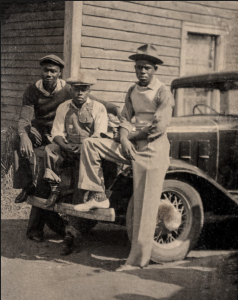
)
(188, 232)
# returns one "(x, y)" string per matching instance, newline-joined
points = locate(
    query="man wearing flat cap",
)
(76, 119)
(40, 101)
(147, 148)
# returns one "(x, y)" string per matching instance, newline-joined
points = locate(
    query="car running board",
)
(107, 214)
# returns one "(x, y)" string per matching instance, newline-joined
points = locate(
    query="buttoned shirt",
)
(99, 115)
(152, 107)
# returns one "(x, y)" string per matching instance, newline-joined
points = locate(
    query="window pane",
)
(200, 53)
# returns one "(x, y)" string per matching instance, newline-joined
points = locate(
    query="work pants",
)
(149, 169)
(55, 161)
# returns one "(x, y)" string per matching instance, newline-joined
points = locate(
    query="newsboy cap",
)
(82, 79)
(147, 52)
(53, 58)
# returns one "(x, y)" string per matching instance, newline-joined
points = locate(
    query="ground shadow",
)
(107, 246)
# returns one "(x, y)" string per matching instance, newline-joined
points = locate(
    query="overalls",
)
(79, 124)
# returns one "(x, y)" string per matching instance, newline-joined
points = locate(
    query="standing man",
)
(75, 120)
(147, 148)
(40, 101)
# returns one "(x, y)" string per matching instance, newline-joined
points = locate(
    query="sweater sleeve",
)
(127, 112)
(163, 114)
(27, 111)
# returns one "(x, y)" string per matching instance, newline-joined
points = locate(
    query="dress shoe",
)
(53, 198)
(128, 268)
(92, 204)
(68, 245)
(36, 239)
(22, 197)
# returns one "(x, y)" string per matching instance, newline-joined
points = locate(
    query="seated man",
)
(40, 101)
(75, 120)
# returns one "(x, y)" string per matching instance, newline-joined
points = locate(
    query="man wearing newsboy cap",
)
(76, 119)
(147, 148)
(40, 101)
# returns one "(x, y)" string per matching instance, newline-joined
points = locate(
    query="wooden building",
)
(191, 37)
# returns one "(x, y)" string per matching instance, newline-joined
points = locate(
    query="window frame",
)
(220, 55)
(218, 31)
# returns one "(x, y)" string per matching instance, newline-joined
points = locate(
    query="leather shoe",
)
(92, 204)
(53, 198)
(68, 245)
(36, 239)
(22, 197)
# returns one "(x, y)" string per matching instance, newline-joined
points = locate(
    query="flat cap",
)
(53, 58)
(82, 79)
(147, 52)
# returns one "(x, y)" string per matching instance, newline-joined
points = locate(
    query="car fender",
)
(183, 171)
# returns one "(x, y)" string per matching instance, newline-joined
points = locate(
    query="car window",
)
(205, 101)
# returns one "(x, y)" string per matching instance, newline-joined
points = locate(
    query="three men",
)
(147, 149)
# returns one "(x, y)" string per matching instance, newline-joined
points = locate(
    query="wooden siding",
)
(112, 30)
(30, 30)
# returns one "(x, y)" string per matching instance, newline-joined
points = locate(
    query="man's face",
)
(145, 71)
(80, 93)
(50, 73)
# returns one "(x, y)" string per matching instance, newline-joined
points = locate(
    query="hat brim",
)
(151, 58)
(52, 60)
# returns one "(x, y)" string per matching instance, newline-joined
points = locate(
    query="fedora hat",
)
(147, 52)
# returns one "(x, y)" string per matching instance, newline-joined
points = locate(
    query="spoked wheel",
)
(174, 237)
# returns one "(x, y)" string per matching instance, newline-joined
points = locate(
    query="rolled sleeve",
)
(163, 114)
(101, 120)
(58, 128)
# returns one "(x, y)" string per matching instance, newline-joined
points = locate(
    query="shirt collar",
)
(151, 85)
(75, 107)
(59, 85)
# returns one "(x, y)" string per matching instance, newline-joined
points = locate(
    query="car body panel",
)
(206, 145)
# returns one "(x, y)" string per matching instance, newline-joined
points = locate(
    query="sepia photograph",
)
(119, 150)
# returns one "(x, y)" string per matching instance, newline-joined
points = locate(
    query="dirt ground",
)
(37, 271)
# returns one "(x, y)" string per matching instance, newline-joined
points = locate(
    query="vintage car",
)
(202, 179)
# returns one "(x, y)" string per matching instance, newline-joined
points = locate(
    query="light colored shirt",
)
(60, 83)
(99, 115)
(151, 106)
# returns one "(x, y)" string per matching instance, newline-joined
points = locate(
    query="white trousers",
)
(149, 169)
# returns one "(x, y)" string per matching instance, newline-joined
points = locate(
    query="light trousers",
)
(149, 169)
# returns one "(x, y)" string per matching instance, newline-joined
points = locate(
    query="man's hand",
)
(76, 149)
(67, 147)
(26, 148)
(128, 149)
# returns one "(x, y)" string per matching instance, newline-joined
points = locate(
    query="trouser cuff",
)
(50, 175)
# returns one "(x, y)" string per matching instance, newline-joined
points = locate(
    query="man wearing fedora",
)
(40, 101)
(147, 148)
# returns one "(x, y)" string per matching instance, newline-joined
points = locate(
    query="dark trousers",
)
(27, 172)
(39, 218)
